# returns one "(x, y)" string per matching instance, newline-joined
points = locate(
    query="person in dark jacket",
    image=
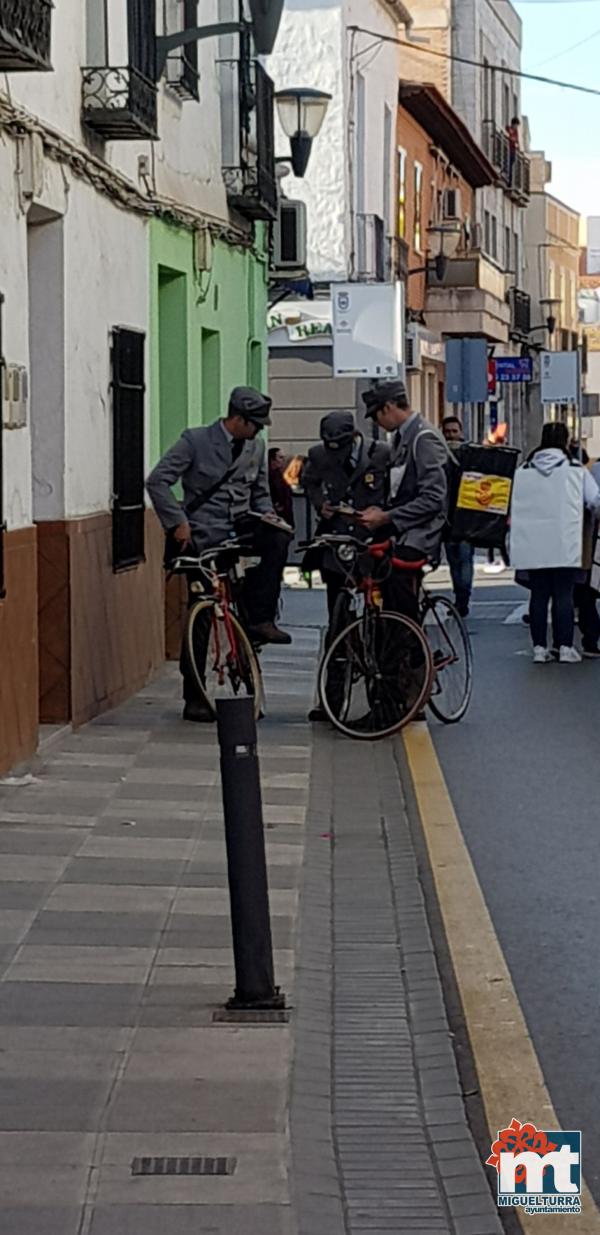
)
(415, 513)
(343, 469)
(460, 554)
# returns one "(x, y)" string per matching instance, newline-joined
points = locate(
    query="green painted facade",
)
(207, 330)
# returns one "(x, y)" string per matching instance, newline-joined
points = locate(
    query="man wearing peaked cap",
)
(416, 510)
(250, 405)
(223, 471)
(343, 469)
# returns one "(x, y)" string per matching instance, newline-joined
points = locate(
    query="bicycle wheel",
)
(376, 676)
(231, 669)
(452, 660)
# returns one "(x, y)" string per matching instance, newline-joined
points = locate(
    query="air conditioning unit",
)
(475, 236)
(413, 350)
(289, 236)
(452, 204)
(15, 397)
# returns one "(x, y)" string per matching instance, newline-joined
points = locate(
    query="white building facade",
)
(119, 235)
(349, 190)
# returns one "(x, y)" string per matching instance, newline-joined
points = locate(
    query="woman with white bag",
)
(550, 493)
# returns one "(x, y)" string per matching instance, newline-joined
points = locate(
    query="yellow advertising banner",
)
(488, 494)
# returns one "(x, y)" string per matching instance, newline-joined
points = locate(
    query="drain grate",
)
(251, 1016)
(183, 1166)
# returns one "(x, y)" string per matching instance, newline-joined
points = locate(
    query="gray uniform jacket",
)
(418, 510)
(199, 459)
(325, 479)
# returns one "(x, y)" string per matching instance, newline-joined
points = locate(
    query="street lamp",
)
(449, 240)
(301, 113)
(551, 303)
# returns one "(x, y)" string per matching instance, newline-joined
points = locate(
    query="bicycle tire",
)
(243, 678)
(448, 704)
(409, 644)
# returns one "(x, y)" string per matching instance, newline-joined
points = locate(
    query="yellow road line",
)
(510, 1077)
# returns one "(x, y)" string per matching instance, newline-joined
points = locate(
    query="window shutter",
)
(128, 385)
(2, 523)
(189, 78)
(141, 25)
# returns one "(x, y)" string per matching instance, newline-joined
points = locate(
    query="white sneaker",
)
(494, 568)
(569, 656)
(541, 656)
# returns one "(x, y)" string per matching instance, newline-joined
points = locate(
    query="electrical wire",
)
(478, 64)
(557, 55)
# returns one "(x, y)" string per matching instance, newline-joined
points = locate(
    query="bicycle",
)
(381, 668)
(215, 622)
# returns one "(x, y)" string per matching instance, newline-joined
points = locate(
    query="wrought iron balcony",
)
(520, 313)
(512, 165)
(25, 30)
(249, 138)
(119, 103)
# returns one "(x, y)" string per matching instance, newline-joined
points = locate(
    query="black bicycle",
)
(381, 668)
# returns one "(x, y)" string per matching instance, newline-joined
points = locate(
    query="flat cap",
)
(251, 404)
(393, 391)
(336, 425)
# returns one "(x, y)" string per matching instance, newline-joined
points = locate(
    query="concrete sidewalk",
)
(116, 956)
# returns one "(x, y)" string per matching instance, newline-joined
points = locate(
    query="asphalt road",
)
(522, 770)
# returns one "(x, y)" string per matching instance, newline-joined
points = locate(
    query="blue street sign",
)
(514, 369)
(466, 371)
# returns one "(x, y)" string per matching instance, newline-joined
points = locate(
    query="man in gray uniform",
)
(223, 473)
(416, 511)
(343, 469)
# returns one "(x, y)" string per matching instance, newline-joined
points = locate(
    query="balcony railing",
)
(119, 103)
(512, 165)
(520, 312)
(25, 30)
(370, 248)
(249, 138)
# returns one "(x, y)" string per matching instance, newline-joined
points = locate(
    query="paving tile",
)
(31, 868)
(51, 1105)
(39, 1220)
(104, 898)
(38, 963)
(183, 1106)
(192, 1220)
(68, 1004)
(114, 872)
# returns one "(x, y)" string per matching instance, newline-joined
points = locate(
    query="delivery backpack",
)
(480, 480)
(479, 494)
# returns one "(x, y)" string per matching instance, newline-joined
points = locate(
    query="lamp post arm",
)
(169, 42)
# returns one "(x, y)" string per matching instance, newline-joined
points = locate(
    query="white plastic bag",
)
(546, 522)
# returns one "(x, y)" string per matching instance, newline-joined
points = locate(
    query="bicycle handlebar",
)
(186, 562)
(331, 540)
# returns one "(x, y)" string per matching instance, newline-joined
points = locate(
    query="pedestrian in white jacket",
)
(550, 493)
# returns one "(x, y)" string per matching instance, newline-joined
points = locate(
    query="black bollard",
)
(246, 857)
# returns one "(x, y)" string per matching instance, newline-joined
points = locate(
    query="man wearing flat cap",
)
(416, 510)
(223, 472)
(342, 470)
